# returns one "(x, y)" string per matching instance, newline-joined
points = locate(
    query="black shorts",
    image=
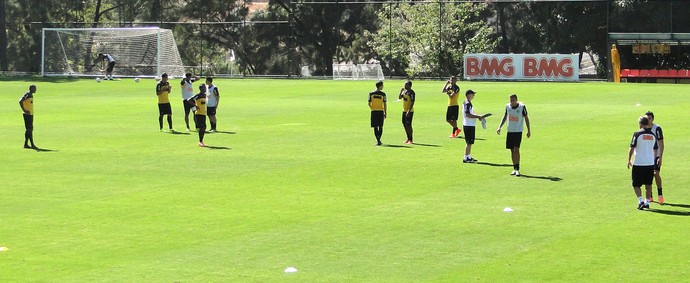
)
(513, 140)
(469, 134)
(657, 167)
(642, 175)
(407, 120)
(187, 107)
(200, 121)
(377, 118)
(164, 109)
(211, 111)
(452, 113)
(111, 65)
(29, 121)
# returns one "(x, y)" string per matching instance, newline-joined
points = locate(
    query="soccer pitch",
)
(293, 180)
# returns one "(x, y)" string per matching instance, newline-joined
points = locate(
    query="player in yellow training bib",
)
(199, 102)
(164, 108)
(377, 104)
(407, 95)
(27, 105)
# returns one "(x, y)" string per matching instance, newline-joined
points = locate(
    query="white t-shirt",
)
(211, 96)
(516, 117)
(109, 58)
(644, 142)
(187, 89)
(468, 108)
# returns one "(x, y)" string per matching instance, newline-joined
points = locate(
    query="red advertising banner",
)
(522, 67)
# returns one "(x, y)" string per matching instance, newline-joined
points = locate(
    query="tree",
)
(3, 36)
(219, 30)
(429, 45)
(324, 33)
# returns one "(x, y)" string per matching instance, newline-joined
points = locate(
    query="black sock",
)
(517, 166)
(659, 190)
(169, 122)
(454, 129)
(213, 126)
(201, 135)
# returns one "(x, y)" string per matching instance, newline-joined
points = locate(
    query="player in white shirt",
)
(469, 119)
(212, 99)
(187, 92)
(104, 57)
(644, 147)
(656, 129)
(516, 115)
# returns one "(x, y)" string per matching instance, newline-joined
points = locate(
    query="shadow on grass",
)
(221, 132)
(178, 133)
(494, 164)
(550, 178)
(476, 139)
(670, 212)
(44, 150)
(218, 147)
(425, 144)
(395, 146)
(677, 205)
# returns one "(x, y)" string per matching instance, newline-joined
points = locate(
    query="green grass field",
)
(293, 180)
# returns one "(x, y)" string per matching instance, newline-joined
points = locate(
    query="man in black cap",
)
(469, 119)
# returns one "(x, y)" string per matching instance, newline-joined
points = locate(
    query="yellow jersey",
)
(27, 102)
(408, 100)
(163, 92)
(200, 103)
(454, 93)
(377, 100)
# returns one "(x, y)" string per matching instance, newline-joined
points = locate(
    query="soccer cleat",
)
(513, 173)
(457, 132)
(26, 146)
(469, 160)
(517, 173)
(452, 136)
(640, 206)
(661, 199)
(201, 144)
(378, 144)
(646, 206)
(651, 199)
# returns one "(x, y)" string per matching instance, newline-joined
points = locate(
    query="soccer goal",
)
(138, 52)
(357, 72)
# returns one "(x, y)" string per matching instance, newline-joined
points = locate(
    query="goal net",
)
(357, 72)
(138, 52)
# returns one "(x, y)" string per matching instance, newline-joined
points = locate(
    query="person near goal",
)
(104, 57)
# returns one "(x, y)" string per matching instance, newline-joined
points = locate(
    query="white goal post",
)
(138, 52)
(357, 72)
